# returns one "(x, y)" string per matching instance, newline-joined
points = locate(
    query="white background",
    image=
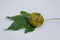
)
(50, 30)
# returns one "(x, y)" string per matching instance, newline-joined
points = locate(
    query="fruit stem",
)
(52, 19)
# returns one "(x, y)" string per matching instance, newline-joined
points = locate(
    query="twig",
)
(52, 19)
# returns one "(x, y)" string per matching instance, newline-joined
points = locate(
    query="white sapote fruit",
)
(36, 19)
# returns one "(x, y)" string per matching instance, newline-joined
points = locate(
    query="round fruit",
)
(36, 19)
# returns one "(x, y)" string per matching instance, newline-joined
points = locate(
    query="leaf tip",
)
(5, 29)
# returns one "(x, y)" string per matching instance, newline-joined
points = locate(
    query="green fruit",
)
(36, 19)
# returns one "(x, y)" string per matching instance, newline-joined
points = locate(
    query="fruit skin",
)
(36, 19)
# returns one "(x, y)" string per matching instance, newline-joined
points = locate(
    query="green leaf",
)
(21, 21)
(15, 26)
(29, 28)
(17, 18)
(25, 14)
